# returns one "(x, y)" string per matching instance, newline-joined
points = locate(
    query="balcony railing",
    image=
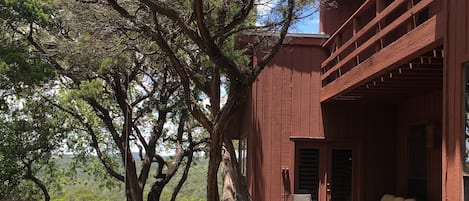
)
(375, 25)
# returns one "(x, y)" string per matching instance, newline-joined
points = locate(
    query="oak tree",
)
(199, 38)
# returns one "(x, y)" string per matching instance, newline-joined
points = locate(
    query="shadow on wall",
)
(255, 163)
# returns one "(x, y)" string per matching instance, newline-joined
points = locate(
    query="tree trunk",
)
(133, 188)
(156, 190)
(184, 174)
(228, 188)
(233, 171)
(213, 165)
(134, 192)
(40, 185)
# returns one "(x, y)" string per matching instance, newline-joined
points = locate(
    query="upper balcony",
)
(380, 35)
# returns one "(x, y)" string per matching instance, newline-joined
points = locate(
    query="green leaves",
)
(30, 132)
(20, 67)
(30, 11)
(22, 72)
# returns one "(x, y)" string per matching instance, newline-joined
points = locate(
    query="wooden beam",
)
(414, 43)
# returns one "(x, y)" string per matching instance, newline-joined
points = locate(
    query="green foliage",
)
(93, 188)
(18, 67)
(88, 89)
(79, 195)
(29, 135)
(29, 11)
(9, 175)
(23, 190)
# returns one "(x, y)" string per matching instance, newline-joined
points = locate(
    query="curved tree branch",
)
(278, 44)
(185, 80)
(121, 10)
(213, 51)
(163, 9)
(237, 19)
(94, 143)
(104, 115)
(29, 175)
(190, 155)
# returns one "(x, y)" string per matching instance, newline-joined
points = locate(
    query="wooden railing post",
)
(355, 28)
(411, 25)
(380, 6)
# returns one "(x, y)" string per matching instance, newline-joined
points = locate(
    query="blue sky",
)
(307, 25)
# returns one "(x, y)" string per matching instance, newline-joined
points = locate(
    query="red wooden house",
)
(376, 105)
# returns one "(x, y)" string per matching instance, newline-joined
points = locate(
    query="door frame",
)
(325, 154)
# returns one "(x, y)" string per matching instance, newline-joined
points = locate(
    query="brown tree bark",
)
(156, 190)
(29, 175)
(134, 189)
(213, 166)
(233, 173)
(228, 191)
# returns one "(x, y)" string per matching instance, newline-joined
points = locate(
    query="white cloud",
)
(264, 7)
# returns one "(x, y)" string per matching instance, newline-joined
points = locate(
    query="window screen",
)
(308, 172)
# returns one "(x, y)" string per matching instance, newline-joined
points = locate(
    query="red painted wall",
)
(374, 127)
(423, 109)
(284, 103)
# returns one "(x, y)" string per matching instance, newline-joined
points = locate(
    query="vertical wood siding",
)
(456, 50)
(421, 110)
(286, 103)
(373, 127)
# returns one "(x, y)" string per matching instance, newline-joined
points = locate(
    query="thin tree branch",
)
(94, 143)
(141, 138)
(29, 175)
(263, 62)
(184, 176)
(104, 115)
(186, 168)
(157, 129)
(163, 9)
(237, 19)
(215, 92)
(185, 81)
(122, 11)
(173, 167)
(213, 51)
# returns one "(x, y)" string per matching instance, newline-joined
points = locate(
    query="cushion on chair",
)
(387, 197)
(398, 199)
